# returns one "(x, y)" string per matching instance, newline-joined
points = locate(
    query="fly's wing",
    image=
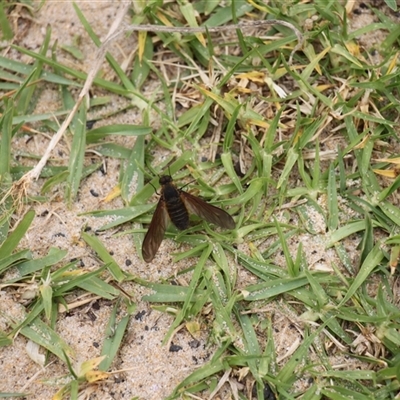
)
(155, 234)
(210, 213)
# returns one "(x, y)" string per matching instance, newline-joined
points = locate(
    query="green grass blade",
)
(99, 248)
(333, 210)
(114, 334)
(286, 374)
(76, 158)
(189, 298)
(371, 261)
(5, 26)
(10, 260)
(98, 287)
(53, 257)
(6, 135)
(14, 238)
(46, 337)
(133, 171)
(25, 96)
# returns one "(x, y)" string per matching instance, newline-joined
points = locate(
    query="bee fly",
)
(175, 205)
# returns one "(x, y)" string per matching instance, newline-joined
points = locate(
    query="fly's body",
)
(175, 205)
(176, 209)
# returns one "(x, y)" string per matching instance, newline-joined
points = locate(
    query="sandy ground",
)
(150, 370)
